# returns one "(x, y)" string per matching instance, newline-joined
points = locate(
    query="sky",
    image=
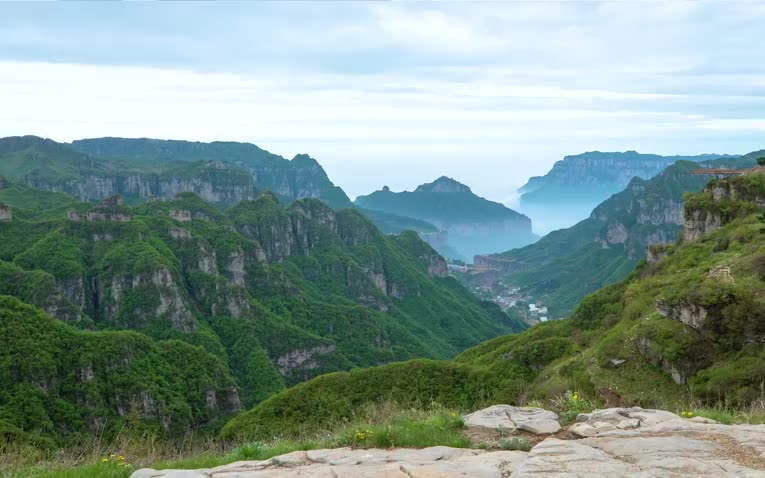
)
(394, 94)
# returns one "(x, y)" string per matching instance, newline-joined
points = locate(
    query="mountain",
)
(174, 312)
(141, 169)
(686, 327)
(301, 177)
(474, 225)
(578, 183)
(565, 265)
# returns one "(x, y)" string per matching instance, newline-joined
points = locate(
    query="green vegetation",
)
(675, 335)
(267, 295)
(566, 265)
(382, 426)
(290, 179)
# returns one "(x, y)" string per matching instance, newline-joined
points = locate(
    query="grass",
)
(382, 426)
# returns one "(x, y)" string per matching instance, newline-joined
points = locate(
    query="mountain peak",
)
(444, 185)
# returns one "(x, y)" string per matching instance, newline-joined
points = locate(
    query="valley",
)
(254, 301)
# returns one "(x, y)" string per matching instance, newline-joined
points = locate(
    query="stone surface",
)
(620, 443)
(432, 462)
(509, 418)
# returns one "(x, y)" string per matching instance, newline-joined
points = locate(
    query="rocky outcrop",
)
(303, 359)
(613, 443)
(699, 223)
(655, 253)
(678, 372)
(510, 419)
(6, 214)
(692, 315)
(111, 209)
(442, 462)
(160, 297)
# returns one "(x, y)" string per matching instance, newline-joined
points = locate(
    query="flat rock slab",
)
(441, 462)
(509, 418)
(623, 443)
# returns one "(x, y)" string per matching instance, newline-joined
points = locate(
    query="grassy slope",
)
(619, 322)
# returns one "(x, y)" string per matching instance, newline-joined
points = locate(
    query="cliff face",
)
(596, 172)
(575, 185)
(277, 294)
(301, 177)
(721, 202)
(474, 224)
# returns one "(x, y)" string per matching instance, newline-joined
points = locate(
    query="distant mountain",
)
(565, 265)
(474, 225)
(301, 177)
(142, 169)
(575, 185)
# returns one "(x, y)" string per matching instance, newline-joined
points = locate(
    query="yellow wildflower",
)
(104, 460)
(121, 458)
(112, 455)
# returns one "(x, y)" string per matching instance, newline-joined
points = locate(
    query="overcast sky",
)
(394, 93)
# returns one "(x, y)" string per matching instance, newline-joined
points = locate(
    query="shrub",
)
(515, 443)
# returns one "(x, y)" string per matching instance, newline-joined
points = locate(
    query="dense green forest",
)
(688, 325)
(261, 295)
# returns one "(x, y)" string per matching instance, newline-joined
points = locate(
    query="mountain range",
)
(578, 183)
(473, 225)
(684, 329)
(566, 265)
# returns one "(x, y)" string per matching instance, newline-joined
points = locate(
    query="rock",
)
(701, 420)
(616, 362)
(530, 419)
(6, 214)
(636, 415)
(442, 462)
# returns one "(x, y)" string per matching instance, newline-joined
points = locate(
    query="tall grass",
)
(385, 425)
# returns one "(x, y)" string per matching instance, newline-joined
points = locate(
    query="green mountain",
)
(263, 295)
(474, 225)
(298, 178)
(222, 173)
(578, 183)
(688, 326)
(565, 265)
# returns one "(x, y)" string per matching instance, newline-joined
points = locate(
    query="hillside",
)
(686, 326)
(298, 178)
(474, 225)
(271, 295)
(565, 265)
(221, 173)
(578, 183)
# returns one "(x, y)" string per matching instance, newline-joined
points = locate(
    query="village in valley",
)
(488, 284)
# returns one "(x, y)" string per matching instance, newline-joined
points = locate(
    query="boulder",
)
(509, 418)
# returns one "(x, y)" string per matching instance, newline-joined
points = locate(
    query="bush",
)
(515, 443)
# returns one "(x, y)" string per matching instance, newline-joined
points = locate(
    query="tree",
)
(761, 161)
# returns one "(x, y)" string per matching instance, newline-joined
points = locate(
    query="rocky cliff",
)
(301, 177)
(277, 294)
(569, 191)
